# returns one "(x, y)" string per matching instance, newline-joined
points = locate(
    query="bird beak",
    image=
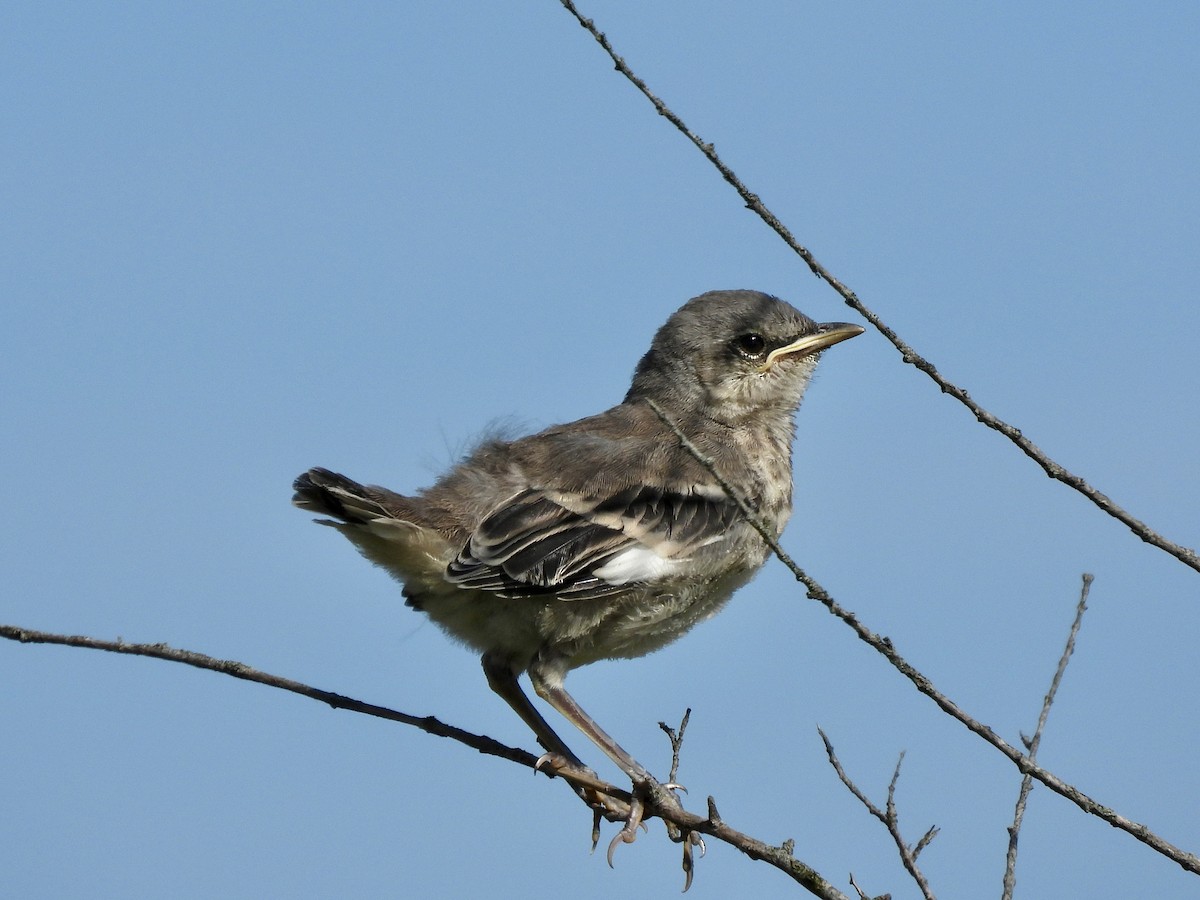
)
(825, 336)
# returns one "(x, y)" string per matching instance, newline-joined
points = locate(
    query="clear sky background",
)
(242, 239)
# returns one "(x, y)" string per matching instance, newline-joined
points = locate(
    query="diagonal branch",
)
(1185, 555)
(883, 645)
(1014, 830)
(667, 808)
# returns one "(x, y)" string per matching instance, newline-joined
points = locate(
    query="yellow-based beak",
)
(826, 335)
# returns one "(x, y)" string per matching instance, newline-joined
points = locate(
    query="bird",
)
(608, 537)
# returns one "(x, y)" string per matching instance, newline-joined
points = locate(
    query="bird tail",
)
(380, 523)
(330, 494)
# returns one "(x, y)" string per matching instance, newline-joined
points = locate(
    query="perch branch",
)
(780, 857)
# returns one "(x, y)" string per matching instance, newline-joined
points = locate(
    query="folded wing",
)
(583, 547)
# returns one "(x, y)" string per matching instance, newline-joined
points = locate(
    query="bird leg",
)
(503, 680)
(548, 682)
(550, 689)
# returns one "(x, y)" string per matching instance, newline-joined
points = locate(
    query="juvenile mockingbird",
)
(604, 538)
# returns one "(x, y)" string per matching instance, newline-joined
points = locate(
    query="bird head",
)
(733, 356)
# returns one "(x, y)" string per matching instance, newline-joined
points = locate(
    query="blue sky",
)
(239, 240)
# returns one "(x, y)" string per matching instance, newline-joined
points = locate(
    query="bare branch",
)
(925, 841)
(689, 839)
(676, 739)
(883, 645)
(863, 895)
(1185, 555)
(428, 724)
(889, 817)
(1014, 830)
(665, 807)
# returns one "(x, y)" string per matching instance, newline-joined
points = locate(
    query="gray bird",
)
(604, 538)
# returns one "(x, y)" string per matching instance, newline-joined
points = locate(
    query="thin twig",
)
(1014, 830)
(689, 839)
(889, 817)
(863, 895)
(1185, 555)
(883, 645)
(676, 739)
(781, 858)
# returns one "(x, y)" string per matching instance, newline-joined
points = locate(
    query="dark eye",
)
(750, 345)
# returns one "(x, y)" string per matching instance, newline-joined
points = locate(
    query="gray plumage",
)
(604, 537)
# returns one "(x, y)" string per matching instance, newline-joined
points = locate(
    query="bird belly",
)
(638, 623)
(577, 632)
(510, 627)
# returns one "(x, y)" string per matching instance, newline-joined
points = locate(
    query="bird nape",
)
(605, 537)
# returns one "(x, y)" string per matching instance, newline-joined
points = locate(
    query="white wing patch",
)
(636, 564)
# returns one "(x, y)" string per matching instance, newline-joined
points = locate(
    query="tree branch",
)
(889, 817)
(883, 645)
(712, 825)
(1032, 744)
(428, 724)
(1185, 555)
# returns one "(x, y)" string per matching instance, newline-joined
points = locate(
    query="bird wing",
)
(543, 541)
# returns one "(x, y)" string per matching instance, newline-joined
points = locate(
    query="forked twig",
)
(889, 817)
(676, 739)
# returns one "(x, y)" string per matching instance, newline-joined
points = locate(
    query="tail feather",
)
(328, 493)
(382, 525)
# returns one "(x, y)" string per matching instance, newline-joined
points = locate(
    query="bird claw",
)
(693, 839)
(553, 763)
(637, 811)
(628, 833)
(602, 805)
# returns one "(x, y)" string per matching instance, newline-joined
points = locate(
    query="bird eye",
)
(750, 345)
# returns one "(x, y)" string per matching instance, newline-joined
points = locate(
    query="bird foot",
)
(648, 787)
(661, 793)
(628, 833)
(603, 805)
(633, 814)
(692, 839)
(553, 763)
